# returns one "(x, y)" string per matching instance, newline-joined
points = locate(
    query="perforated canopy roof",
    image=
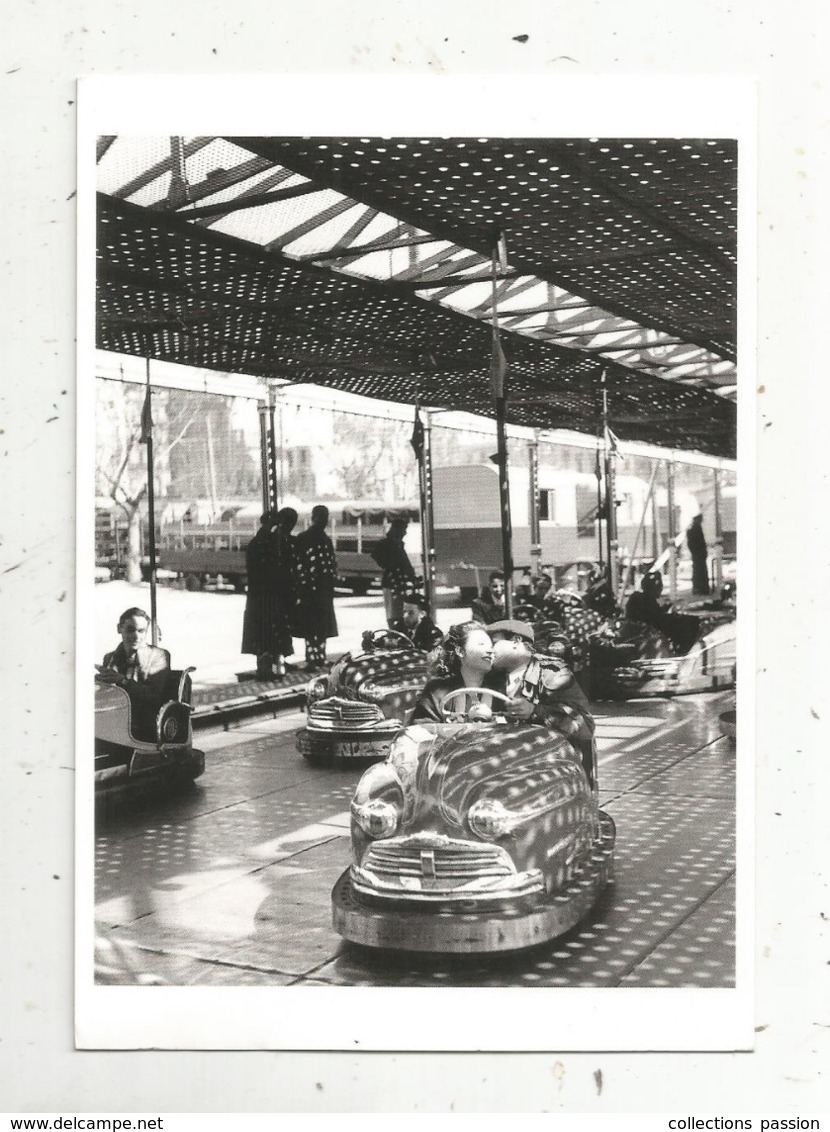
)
(645, 228)
(279, 258)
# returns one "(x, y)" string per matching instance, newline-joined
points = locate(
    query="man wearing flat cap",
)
(542, 689)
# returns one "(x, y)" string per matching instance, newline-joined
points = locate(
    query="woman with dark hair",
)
(461, 660)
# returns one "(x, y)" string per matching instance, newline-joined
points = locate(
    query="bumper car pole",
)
(535, 525)
(717, 549)
(672, 531)
(422, 443)
(147, 438)
(498, 375)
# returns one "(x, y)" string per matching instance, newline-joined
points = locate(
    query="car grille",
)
(663, 667)
(446, 862)
(343, 713)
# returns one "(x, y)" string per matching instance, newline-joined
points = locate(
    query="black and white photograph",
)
(416, 565)
(413, 563)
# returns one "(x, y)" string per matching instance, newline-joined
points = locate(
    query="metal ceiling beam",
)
(159, 169)
(449, 281)
(103, 144)
(482, 239)
(310, 225)
(345, 252)
(507, 288)
(255, 200)
(222, 179)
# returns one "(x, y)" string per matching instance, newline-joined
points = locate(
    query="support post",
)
(263, 455)
(672, 531)
(533, 506)
(211, 468)
(427, 515)
(272, 438)
(600, 507)
(649, 502)
(610, 495)
(267, 453)
(504, 501)
(147, 436)
(498, 381)
(717, 549)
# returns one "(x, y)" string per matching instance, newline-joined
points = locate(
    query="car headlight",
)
(316, 689)
(489, 819)
(377, 818)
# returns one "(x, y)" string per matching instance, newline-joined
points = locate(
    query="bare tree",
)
(121, 468)
(373, 459)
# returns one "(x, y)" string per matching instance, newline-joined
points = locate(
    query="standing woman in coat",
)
(260, 635)
(265, 626)
(285, 582)
(316, 576)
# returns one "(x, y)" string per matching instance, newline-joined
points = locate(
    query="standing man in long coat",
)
(696, 541)
(316, 577)
(265, 627)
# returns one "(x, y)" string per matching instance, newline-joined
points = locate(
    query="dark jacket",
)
(429, 701)
(315, 576)
(542, 685)
(152, 672)
(398, 574)
(269, 560)
(426, 635)
(485, 610)
(148, 685)
(680, 628)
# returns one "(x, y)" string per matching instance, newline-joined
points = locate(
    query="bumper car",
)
(358, 709)
(473, 837)
(131, 749)
(728, 724)
(629, 660)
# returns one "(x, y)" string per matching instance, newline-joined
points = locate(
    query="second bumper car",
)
(359, 708)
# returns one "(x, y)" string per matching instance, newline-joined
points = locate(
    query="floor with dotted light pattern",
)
(230, 883)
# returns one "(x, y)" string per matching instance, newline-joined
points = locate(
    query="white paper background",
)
(45, 49)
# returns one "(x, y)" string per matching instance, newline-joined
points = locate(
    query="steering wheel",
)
(384, 634)
(452, 696)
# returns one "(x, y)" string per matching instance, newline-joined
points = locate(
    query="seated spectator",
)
(489, 606)
(644, 606)
(541, 589)
(417, 624)
(461, 660)
(523, 590)
(542, 689)
(142, 670)
(599, 595)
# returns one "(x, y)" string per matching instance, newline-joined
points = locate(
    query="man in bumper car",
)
(542, 689)
(644, 607)
(142, 670)
(489, 606)
(417, 624)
